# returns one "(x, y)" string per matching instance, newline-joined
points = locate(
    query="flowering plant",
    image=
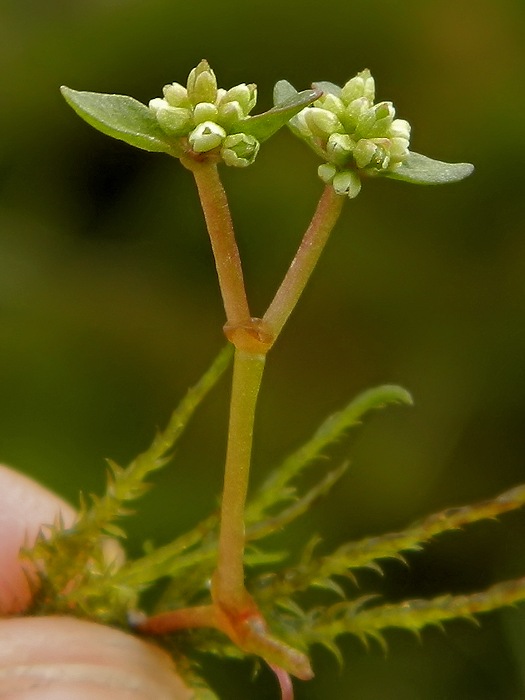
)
(242, 613)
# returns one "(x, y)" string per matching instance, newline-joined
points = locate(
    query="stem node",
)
(252, 336)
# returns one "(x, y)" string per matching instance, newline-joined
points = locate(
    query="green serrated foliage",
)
(324, 626)
(121, 117)
(76, 559)
(366, 552)
(421, 170)
(276, 488)
(271, 524)
(264, 125)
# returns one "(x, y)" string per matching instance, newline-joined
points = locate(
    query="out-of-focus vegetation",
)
(109, 307)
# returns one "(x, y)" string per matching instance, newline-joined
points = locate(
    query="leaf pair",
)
(128, 120)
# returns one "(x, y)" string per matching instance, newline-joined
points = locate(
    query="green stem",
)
(220, 228)
(228, 583)
(303, 264)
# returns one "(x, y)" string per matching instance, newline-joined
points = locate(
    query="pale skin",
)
(59, 658)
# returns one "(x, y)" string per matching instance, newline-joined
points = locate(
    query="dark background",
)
(109, 306)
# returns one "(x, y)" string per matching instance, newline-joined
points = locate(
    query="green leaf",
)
(421, 170)
(121, 117)
(276, 487)
(328, 87)
(264, 125)
(283, 91)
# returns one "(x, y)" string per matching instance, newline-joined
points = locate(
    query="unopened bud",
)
(205, 112)
(398, 149)
(400, 128)
(230, 112)
(321, 122)
(245, 95)
(361, 86)
(339, 147)
(176, 95)
(347, 182)
(174, 121)
(326, 172)
(202, 84)
(239, 150)
(332, 103)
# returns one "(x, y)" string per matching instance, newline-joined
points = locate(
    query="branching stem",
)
(305, 260)
(233, 610)
(220, 228)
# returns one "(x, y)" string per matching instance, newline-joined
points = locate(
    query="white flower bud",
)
(321, 122)
(400, 128)
(326, 172)
(364, 152)
(299, 123)
(245, 95)
(339, 147)
(361, 86)
(398, 149)
(205, 112)
(230, 112)
(332, 103)
(239, 150)
(354, 112)
(176, 95)
(347, 182)
(174, 121)
(206, 136)
(202, 84)
(157, 103)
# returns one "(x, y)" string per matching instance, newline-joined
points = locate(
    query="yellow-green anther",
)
(321, 122)
(174, 121)
(202, 84)
(239, 150)
(176, 95)
(347, 182)
(205, 112)
(206, 136)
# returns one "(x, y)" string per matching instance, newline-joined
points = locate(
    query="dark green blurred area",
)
(109, 307)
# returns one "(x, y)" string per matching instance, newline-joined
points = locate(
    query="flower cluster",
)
(209, 117)
(353, 135)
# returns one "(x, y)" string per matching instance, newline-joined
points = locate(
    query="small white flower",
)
(206, 136)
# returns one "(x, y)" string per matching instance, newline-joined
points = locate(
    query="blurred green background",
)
(109, 306)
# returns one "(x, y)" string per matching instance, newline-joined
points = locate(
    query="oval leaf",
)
(264, 125)
(121, 117)
(421, 170)
(328, 87)
(283, 91)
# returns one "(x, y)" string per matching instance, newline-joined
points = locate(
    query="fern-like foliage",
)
(78, 565)
(77, 576)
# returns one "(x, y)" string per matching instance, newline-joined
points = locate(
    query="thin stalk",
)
(220, 228)
(305, 260)
(228, 583)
